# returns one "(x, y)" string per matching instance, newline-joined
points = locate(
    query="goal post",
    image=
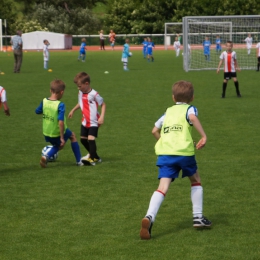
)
(234, 28)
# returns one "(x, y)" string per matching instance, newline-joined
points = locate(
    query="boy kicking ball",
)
(175, 150)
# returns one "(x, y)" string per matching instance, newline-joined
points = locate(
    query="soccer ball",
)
(130, 54)
(45, 151)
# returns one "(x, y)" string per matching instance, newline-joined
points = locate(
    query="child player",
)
(112, 39)
(150, 47)
(82, 50)
(230, 66)
(125, 55)
(218, 44)
(3, 100)
(46, 54)
(88, 102)
(206, 48)
(55, 129)
(175, 150)
(249, 41)
(144, 43)
(258, 55)
(177, 46)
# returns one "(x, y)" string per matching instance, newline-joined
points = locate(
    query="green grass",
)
(69, 212)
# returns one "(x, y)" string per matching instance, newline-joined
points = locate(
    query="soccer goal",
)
(234, 28)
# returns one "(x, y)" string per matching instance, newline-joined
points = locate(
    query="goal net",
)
(205, 30)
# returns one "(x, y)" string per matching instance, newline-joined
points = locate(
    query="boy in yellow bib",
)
(175, 150)
(55, 129)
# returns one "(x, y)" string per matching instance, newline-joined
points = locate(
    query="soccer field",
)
(70, 212)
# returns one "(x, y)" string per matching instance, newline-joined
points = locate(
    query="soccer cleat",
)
(80, 164)
(88, 161)
(152, 59)
(201, 222)
(97, 160)
(222, 96)
(43, 161)
(86, 157)
(239, 95)
(146, 227)
(126, 69)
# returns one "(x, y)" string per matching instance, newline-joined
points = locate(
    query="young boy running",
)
(46, 54)
(175, 150)
(82, 50)
(88, 102)
(230, 66)
(150, 46)
(206, 48)
(55, 129)
(177, 46)
(144, 43)
(3, 100)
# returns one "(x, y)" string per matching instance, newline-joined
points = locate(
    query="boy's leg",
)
(197, 202)
(224, 87)
(74, 145)
(155, 203)
(258, 63)
(237, 87)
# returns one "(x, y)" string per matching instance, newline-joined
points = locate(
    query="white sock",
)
(125, 65)
(248, 51)
(155, 203)
(197, 200)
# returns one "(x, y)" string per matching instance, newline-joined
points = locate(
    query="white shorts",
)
(124, 59)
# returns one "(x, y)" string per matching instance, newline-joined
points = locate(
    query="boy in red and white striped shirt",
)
(230, 67)
(88, 101)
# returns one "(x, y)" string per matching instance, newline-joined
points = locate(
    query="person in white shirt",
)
(249, 41)
(258, 55)
(46, 54)
(176, 46)
(3, 100)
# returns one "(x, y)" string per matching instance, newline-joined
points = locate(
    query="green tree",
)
(8, 12)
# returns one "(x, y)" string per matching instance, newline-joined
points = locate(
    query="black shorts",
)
(229, 75)
(258, 59)
(86, 131)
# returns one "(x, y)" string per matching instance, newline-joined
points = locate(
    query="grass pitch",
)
(69, 212)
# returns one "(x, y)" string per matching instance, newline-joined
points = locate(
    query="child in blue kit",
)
(125, 55)
(206, 48)
(82, 51)
(144, 43)
(175, 150)
(218, 44)
(150, 46)
(55, 129)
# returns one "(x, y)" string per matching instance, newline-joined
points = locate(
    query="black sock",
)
(258, 65)
(237, 87)
(85, 143)
(224, 88)
(93, 149)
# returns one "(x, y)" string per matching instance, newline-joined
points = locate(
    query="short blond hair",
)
(81, 77)
(57, 86)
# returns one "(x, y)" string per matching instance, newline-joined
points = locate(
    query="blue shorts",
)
(82, 52)
(170, 166)
(55, 141)
(150, 52)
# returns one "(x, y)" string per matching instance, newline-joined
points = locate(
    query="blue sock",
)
(76, 151)
(53, 151)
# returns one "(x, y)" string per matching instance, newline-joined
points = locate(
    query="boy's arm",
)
(102, 115)
(39, 109)
(6, 108)
(219, 65)
(61, 126)
(196, 123)
(236, 65)
(73, 110)
(156, 133)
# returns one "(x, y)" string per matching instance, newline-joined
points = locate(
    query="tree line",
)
(123, 16)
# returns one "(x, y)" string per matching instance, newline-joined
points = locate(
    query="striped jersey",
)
(89, 103)
(258, 49)
(229, 61)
